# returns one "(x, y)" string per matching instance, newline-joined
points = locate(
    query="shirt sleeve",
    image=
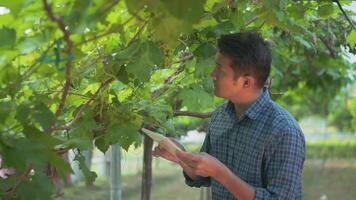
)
(283, 172)
(200, 181)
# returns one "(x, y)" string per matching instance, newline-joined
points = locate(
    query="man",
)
(254, 149)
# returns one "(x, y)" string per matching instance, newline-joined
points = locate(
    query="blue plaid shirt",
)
(265, 148)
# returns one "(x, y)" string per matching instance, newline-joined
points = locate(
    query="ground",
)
(333, 179)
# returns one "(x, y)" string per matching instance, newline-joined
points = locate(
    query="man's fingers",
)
(188, 158)
(156, 152)
(186, 168)
(160, 151)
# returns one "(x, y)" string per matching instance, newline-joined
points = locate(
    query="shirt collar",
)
(255, 109)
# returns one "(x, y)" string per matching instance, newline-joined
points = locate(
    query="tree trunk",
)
(147, 169)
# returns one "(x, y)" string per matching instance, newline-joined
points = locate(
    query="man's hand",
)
(201, 164)
(160, 151)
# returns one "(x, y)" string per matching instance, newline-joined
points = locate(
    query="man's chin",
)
(219, 94)
(216, 93)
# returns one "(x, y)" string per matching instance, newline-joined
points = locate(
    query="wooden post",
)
(147, 169)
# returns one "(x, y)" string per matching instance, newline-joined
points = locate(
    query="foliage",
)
(331, 148)
(344, 114)
(80, 73)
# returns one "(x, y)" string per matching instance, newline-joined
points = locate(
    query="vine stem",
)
(82, 108)
(69, 42)
(192, 114)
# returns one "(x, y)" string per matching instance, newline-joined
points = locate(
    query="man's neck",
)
(242, 106)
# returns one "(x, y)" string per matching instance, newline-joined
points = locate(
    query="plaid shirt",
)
(266, 148)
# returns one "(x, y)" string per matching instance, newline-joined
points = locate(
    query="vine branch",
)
(192, 114)
(329, 45)
(137, 33)
(68, 51)
(110, 31)
(343, 12)
(158, 92)
(184, 58)
(255, 18)
(101, 87)
(83, 107)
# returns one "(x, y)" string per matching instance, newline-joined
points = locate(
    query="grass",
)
(334, 179)
(168, 183)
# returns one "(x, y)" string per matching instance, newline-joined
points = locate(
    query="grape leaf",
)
(144, 60)
(43, 115)
(90, 176)
(7, 37)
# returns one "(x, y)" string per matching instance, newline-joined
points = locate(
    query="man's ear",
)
(247, 81)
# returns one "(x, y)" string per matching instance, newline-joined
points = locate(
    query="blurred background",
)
(329, 172)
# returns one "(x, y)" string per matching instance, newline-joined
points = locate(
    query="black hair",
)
(250, 54)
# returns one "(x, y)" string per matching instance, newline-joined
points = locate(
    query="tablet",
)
(163, 141)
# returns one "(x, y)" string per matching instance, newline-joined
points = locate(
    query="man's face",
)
(225, 84)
